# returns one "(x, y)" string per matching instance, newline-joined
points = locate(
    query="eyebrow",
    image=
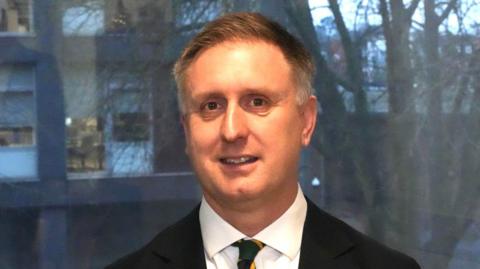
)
(274, 94)
(199, 97)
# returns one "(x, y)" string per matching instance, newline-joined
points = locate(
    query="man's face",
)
(243, 126)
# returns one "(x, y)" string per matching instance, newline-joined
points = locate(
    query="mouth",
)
(240, 160)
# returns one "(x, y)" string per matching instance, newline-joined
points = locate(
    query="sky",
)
(320, 11)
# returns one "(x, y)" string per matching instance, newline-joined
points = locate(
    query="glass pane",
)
(17, 108)
(16, 136)
(85, 146)
(88, 116)
(83, 17)
(15, 16)
(130, 127)
(16, 77)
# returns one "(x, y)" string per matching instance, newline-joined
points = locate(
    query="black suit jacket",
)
(327, 243)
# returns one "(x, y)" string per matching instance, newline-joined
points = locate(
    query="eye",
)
(257, 104)
(211, 106)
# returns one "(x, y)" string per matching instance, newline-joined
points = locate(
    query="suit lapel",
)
(181, 245)
(324, 243)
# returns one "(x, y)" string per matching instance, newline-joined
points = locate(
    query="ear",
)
(309, 119)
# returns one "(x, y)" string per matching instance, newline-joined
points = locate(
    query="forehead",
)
(238, 65)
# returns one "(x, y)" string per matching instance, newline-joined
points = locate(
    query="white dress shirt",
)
(282, 238)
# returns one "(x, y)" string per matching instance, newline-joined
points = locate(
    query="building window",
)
(129, 149)
(84, 18)
(20, 136)
(15, 16)
(114, 17)
(84, 122)
(130, 127)
(108, 122)
(85, 146)
(16, 106)
(130, 117)
(17, 123)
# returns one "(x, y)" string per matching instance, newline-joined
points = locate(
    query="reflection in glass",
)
(15, 16)
(85, 146)
(396, 150)
(83, 18)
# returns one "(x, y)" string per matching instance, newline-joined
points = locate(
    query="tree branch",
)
(411, 9)
(347, 43)
(340, 23)
(464, 81)
(190, 27)
(446, 12)
(370, 30)
(307, 34)
(386, 22)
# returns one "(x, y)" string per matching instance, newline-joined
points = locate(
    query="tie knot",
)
(248, 249)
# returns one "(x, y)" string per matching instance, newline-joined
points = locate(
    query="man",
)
(244, 87)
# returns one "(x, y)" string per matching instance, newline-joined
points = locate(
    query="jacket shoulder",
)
(163, 247)
(346, 243)
(372, 254)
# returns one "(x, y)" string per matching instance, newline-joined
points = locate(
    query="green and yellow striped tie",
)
(247, 249)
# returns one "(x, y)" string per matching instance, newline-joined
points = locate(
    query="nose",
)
(234, 125)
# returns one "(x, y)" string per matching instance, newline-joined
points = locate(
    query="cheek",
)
(282, 128)
(201, 136)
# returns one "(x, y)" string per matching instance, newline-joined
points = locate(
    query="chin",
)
(246, 191)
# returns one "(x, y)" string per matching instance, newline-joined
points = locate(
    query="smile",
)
(238, 160)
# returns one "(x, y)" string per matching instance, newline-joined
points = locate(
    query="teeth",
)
(237, 160)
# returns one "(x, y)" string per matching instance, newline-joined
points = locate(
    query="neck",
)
(252, 216)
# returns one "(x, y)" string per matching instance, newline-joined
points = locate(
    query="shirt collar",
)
(284, 234)
(217, 234)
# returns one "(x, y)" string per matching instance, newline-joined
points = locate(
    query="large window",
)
(92, 152)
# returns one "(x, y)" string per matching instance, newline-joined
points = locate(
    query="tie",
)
(248, 249)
